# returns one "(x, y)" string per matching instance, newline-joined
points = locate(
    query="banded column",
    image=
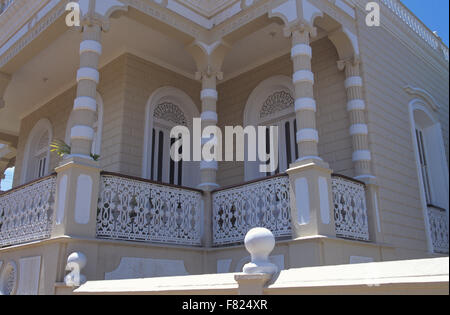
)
(305, 104)
(85, 106)
(209, 97)
(357, 109)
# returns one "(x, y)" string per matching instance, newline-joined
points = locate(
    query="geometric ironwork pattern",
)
(26, 214)
(439, 229)
(135, 210)
(275, 103)
(171, 113)
(265, 203)
(350, 211)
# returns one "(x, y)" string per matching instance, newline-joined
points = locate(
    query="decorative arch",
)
(98, 128)
(432, 169)
(37, 151)
(346, 43)
(166, 108)
(272, 103)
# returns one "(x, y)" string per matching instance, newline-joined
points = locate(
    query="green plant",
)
(61, 149)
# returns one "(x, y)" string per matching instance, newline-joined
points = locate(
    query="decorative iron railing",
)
(438, 221)
(264, 203)
(417, 26)
(4, 4)
(26, 212)
(138, 210)
(350, 210)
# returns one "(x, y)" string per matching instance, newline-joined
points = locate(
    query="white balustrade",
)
(350, 211)
(26, 213)
(237, 210)
(417, 26)
(137, 210)
(438, 229)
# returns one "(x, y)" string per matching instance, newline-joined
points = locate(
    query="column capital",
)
(351, 62)
(208, 73)
(299, 29)
(209, 58)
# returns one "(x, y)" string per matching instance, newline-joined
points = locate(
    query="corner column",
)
(85, 105)
(305, 104)
(310, 176)
(78, 179)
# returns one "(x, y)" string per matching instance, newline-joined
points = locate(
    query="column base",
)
(77, 189)
(311, 198)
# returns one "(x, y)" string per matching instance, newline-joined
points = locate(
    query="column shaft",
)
(305, 104)
(209, 96)
(358, 127)
(85, 106)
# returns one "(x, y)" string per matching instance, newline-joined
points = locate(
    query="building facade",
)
(361, 110)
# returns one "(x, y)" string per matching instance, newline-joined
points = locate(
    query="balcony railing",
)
(4, 4)
(350, 210)
(417, 26)
(264, 203)
(138, 210)
(26, 212)
(439, 229)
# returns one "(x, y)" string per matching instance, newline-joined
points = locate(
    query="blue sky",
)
(7, 182)
(434, 13)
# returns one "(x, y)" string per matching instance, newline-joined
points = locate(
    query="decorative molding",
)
(304, 135)
(91, 46)
(303, 76)
(353, 82)
(427, 97)
(135, 268)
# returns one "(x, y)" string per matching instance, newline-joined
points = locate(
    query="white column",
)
(85, 105)
(305, 104)
(209, 97)
(356, 107)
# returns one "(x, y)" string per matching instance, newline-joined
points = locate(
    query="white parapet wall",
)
(425, 276)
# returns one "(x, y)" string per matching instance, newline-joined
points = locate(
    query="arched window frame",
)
(252, 117)
(28, 164)
(186, 105)
(438, 155)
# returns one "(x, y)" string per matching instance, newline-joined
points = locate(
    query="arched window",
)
(168, 107)
(272, 104)
(36, 161)
(432, 171)
(97, 126)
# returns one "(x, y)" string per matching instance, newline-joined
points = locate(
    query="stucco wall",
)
(388, 66)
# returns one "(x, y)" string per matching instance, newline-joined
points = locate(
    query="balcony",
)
(263, 203)
(26, 212)
(134, 209)
(350, 210)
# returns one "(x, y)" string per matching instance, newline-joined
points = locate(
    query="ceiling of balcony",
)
(52, 71)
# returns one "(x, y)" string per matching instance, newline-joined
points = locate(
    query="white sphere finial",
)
(260, 242)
